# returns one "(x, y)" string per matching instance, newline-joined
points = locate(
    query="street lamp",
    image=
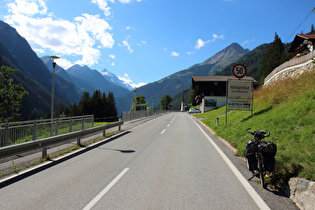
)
(53, 93)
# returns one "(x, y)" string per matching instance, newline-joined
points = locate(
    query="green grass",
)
(287, 110)
(101, 123)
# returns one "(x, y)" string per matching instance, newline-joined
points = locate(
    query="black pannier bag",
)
(251, 149)
(269, 153)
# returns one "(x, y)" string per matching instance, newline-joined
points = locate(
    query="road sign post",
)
(239, 92)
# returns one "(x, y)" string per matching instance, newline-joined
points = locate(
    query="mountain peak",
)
(114, 79)
(233, 50)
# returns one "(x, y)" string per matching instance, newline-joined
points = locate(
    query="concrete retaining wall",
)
(302, 193)
(292, 71)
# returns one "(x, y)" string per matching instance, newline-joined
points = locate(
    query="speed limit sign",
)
(239, 70)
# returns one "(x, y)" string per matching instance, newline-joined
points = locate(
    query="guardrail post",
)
(92, 120)
(56, 130)
(104, 132)
(217, 121)
(6, 141)
(34, 129)
(82, 122)
(70, 124)
(119, 127)
(79, 141)
(44, 152)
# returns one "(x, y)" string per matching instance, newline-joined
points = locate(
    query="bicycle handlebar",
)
(257, 131)
(247, 131)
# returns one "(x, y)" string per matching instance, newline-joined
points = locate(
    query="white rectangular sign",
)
(239, 88)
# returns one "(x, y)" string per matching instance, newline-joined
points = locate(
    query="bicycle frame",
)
(260, 172)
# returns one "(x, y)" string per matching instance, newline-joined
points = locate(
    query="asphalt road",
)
(166, 163)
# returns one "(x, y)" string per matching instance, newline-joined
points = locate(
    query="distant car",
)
(194, 110)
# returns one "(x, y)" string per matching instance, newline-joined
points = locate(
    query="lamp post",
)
(53, 93)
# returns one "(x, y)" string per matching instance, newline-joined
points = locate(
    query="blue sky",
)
(143, 41)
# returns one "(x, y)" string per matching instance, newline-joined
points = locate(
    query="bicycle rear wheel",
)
(261, 172)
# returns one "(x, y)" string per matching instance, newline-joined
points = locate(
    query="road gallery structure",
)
(212, 91)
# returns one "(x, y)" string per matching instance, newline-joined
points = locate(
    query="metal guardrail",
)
(23, 131)
(12, 150)
(133, 115)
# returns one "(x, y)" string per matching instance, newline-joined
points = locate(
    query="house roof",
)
(306, 36)
(299, 39)
(205, 79)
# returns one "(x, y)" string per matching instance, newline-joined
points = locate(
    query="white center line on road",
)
(162, 131)
(105, 190)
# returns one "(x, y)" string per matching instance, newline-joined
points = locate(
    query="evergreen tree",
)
(105, 106)
(74, 110)
(60, 112)
(140, 99)
(111, 104)
(96, 105)
(11, 95)
(191, 97)
(165, 102)
(84, 104)
(312, 29)
(273, 58)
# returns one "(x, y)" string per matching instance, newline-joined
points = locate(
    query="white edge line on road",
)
(258, 200)
(105, 190)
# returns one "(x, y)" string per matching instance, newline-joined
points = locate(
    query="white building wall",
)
(212, 102)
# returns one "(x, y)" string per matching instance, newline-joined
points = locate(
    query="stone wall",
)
(292, 71)
(302, 193)
(292, 68)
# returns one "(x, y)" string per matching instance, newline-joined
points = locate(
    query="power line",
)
(313, 10)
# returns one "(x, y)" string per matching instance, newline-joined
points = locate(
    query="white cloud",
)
(215, 37)
(88, 25)
(126, 80)
(138, 85)
(127, 1)
(175, 54)
(27, 7)
(64, 63)
(44, 33)
(247, 42)
(112, 56)
(200, 43)
(102, 4)
(126, 44)
(142, 43)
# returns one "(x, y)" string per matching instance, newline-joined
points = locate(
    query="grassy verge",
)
(287, 110)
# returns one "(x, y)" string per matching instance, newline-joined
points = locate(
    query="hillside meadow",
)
(286, 109)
